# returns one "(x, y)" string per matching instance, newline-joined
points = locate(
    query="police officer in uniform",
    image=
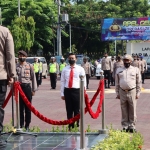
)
(7, 71)
(145, 69)
(40, 72)
(62, 65)
(128, 87)
(53, 71)
(87, 69)
(112, 63)
(36, 70)
(26, 77)
(106, 66)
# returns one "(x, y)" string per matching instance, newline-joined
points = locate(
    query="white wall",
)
(138, 48)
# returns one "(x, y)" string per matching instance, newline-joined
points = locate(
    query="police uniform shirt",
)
(141, 65)
(128, 78)
(145, 64)
(87, 68)
(77, 70)
(26, 74)
(7, 55)
(117, 64)
(135, 63)
(106, 64)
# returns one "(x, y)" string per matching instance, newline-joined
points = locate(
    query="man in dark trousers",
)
(53, 71)
(7, 71)
(70, 87)
(26, 77)
(106, 66)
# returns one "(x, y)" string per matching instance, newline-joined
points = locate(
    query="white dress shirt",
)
(77, 71)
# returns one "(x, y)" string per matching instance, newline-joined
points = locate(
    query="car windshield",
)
(30, 60)
(148, 61)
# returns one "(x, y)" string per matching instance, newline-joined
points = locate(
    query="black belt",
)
(128, 90)
(25, 84)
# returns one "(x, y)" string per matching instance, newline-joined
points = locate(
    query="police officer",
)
(145, 69)
(87, 69)
(62, 65)
(106, 66)
(26, 77)
(7, 70)
(36, 70)
(40, 72)
(53, 71)
(112, 63)
(128, 87)
(117, 64)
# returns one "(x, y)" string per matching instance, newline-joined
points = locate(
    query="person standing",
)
(106, 66)
(62, 65)
(36, 70)
(53, 71)
(26, 77)
(145, 69)
(112, 63)
(70, 87)
(40, 71)
(117, 64)
(7, 70)
(87, 69)
(128, 87)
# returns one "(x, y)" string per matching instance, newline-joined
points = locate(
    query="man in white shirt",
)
(70, 87)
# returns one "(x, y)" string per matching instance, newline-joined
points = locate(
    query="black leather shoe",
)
(125, 130)
(132, 130)
(27, 129)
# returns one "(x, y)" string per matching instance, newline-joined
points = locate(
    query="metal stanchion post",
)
(103, 131)
(82, 131)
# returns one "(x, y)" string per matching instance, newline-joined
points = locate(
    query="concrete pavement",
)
(49, 103)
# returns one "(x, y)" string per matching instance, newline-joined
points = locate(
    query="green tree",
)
(23, 32)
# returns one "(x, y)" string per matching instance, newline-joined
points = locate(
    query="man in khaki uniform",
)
(7, 70)
(128, 87)
(87, 69)
(112, 63)
(117, 64)
(145, 69)
(106, 66)
(26, 77)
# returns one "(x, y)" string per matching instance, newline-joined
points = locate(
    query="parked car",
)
(43, 60)
(80, 61)
(147, 73)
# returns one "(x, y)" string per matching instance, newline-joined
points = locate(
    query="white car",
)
(98, 70)
(43, 60)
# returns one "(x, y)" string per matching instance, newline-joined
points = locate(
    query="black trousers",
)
(3, 89)
(40, 78)
(87, 79)
(24, 110)
(53, 79)
(107, 76)
(72, 101)
(112, 80)
(37, 78)
(143, 77)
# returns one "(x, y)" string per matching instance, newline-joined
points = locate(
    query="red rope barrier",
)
(7, 99)
(45, 119)
(101, 90)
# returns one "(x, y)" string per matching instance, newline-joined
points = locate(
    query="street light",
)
(18, 8)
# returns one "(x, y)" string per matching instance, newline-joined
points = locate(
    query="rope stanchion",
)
(45, 119)
(7, 99)
(101, 91)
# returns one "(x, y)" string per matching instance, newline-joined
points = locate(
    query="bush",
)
(118, 140)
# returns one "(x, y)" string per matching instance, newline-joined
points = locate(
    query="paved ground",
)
(49, 103)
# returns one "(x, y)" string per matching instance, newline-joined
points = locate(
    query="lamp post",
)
(0, 16)
(18, 8)
(59, 52)
(70, 36)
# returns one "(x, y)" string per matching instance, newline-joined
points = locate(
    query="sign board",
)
(140, 49)
(125, 29)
